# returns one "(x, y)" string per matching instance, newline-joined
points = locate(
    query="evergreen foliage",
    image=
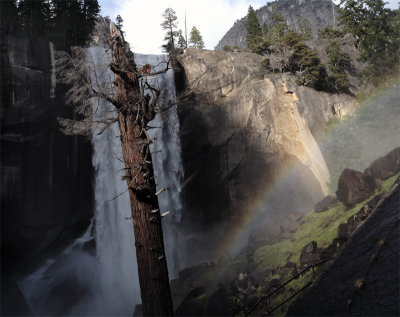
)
(196, 40)
(65, 22)
(338, 63)
(305, 29)
(253, 27)
(329, 33)
(170, 26)
(274, 32)
(377, 33)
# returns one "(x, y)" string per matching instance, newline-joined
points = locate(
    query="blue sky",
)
(213, 18)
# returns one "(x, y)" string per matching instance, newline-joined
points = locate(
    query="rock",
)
(386, 166)
(343, 232)
(354, 187)
(192, 271)
(318, 12)
(193, 303)
(291, 265)
(273, 284)
(218, 303)
(309, 248)
(327, 203)
(328, 252)
(138, 311)
(309, 258)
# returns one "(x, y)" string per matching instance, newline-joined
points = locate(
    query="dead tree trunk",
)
(135, 110)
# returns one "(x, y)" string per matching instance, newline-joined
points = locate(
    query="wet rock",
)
(386, 166)
(192, 271)
(343, 232)
(328, 252)
(193, 304)
(138, 311)
(309, 248)
(309, 258)
(354, 187)
(218, 303)
(327, 203)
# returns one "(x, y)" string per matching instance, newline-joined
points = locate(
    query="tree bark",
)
(135, 110)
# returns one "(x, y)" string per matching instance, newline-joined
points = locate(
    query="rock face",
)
(46, 196)
(325, 204)
(319, 13)
(386, 166)
(354, 187)
(365, 259)
(246, 134)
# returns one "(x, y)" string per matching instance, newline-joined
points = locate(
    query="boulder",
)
(327, 203)
(193, 304)
(309, 258)
(386, 166)
(309, 248)
(343, 232)
(218, 303)
(354, 187)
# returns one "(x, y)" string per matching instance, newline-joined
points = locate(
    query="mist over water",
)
(371, 132)
(97, 273)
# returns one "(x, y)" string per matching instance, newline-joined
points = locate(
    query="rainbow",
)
(239, 228)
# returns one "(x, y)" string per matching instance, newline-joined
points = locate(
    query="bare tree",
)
(136, 102)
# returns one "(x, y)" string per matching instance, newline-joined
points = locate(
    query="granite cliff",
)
(245, 132)
(319, 13)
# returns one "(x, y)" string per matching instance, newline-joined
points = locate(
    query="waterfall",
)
(166, 156)
(104, 281)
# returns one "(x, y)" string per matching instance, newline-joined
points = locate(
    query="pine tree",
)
(35, 16)
(181, 41)
(377, 36)
(253, 27)
(10, 22)
(277, 29)
(305, 29)
(338, 63)
(170, 26)
(196, 39)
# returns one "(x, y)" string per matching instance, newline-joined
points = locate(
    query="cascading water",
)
(80, 281)
(166, 157)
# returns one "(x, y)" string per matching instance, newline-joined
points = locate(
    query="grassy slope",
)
(320, 227)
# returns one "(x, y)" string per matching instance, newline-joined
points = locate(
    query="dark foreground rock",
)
(386, 166)
(355, 187)
(365, 258)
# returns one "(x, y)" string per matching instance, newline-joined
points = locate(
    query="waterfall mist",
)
(97, 274)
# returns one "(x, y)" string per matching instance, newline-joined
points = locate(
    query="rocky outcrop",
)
(319, 13)
(354, 187)
(46, 196)
(386, 166)
(325, 204)
(246, 133)
(362, 280)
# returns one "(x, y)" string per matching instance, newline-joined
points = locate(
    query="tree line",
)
(65, 22)
(176, 41)
(375, 28)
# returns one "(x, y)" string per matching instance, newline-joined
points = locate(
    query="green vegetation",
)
(305, 29)
(320, 227)
(65, 23)
(274, 32)
(253, 27)
(338, 63)
(196, 40)
(170, 26)
(377, 32)
(329, 33)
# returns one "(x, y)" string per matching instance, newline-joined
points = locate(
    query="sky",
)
(213, 18)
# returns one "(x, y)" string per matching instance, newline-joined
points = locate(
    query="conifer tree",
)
(338, 63)
(277, 29)
(35, 16)
(305, 29)
(181, 41)
(253, 27)
(375, 28)
(196, 40)
(170, 26)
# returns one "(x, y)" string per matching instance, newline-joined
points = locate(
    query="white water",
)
(167, 159)
(77, 282)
